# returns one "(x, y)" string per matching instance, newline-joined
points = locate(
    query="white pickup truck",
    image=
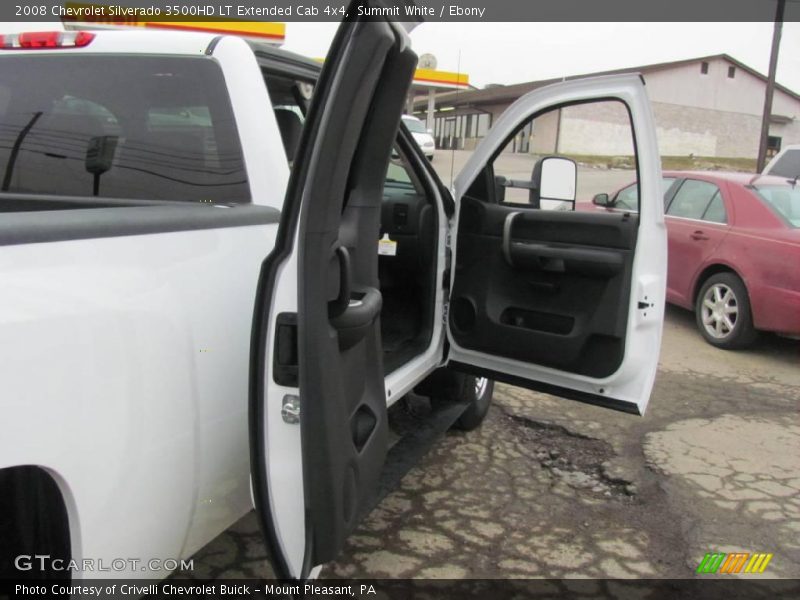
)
(212, 289)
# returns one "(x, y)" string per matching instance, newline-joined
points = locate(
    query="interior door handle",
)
(549, 256)
(699, 235)
(338, 306)
(361, 310)
(352, 312)
(508, 225)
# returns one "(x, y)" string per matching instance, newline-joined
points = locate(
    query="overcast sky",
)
(517, 52)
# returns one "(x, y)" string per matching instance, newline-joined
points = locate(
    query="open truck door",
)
(318, 416)
(589, 328)
(567, 302)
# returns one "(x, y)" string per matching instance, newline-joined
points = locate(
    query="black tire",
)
(450, 386)
(722, 312)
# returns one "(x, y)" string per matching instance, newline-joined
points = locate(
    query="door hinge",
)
(290, 411)
(445, 311)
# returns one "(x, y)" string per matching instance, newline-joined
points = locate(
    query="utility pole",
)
(12, 157)
(773, 65)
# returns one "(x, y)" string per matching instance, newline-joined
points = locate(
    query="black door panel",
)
(344, 423)
(333, 212)
(544, 287)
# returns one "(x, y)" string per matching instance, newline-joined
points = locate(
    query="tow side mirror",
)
(601, 200)
(554, 178)
(558, 178)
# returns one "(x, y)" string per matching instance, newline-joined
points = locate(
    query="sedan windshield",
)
(415, 126)
(784, 200)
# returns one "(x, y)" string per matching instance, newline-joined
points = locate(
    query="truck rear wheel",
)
(478, 391)
(33, 521)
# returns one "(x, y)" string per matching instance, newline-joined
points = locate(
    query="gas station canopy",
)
(430, 81)
(425, 79)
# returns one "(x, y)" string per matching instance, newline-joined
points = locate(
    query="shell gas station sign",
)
(440, 79)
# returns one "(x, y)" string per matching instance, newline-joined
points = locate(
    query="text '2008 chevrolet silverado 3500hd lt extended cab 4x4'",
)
(215, 283)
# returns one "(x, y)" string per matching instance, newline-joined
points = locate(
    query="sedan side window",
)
(716, 210)
(628, 198)
(693, 199)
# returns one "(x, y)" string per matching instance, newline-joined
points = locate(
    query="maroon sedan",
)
(734, 251)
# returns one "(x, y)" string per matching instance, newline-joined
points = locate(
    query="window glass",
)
(788, 164)
(628, 198)
(144, 127)
(290, 99)
(666, 183)
(414, 125)
(773, 145)
(69, 105)
(716, 210)
(692, 199)
(400, 180)
(782, 199)
(596, 136)
(397, 174)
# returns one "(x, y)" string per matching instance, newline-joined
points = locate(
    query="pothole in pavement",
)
(572, 459)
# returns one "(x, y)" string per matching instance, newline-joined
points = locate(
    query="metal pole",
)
(773, 65)
(431, 109)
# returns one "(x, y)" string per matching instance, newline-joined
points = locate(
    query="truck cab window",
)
(151, 127)
(290, 102)
(596, 136)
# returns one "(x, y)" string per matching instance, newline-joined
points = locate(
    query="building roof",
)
(509, 93)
